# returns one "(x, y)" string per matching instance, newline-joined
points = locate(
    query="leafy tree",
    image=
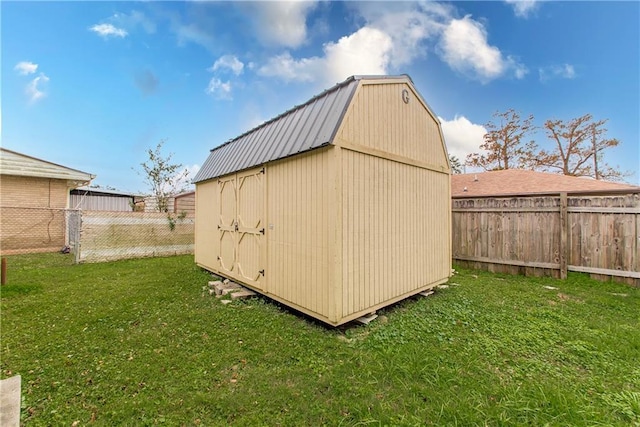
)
(165, 179)
(580, 145)
(456, 166)
(504, 143)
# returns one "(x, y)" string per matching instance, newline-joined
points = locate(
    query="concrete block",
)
(10, 401)
(245, 293)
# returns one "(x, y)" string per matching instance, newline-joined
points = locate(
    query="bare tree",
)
(165, 179)
(456, 166)
(505, 145)
(580, 146)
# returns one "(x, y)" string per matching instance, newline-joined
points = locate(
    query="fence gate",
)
(242, 228)
(74, 226)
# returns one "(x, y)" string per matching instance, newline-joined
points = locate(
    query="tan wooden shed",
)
(337, 207)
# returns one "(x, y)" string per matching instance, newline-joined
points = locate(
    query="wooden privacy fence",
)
(550, 235)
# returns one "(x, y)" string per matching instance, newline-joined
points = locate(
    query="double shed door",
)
(242, 226)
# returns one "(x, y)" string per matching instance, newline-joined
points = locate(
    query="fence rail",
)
(550, 235)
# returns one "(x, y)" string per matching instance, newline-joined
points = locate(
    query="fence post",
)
(564, 229)
(78, 246)
(3, 272)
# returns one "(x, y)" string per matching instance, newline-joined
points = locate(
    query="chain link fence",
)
(95, 236)
(108, 236)
(28, 230)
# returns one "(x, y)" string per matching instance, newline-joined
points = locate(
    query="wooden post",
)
(564, 230)
(3, 274)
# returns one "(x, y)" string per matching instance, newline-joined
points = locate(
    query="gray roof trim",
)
(96, 191)
(305, 127)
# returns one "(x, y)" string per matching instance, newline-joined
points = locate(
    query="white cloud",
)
(523, 8)
(396, 34)
(287, 68)
(134, 19)
(367, 51)
(565, 71)
(462, 137)
(35, 90)
(229, 62)
(465, 48)
(192, 33)
(219, 89)
(108, 30)
(364, 52)
(281, 23)
(25, 68)
(409, 25)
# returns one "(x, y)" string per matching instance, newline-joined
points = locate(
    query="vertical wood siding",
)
(395, 230)
(379, 119)
(185, 203)
(523, 230)
(524, 235)
(604, 234)
(207, 239)
(298, 209)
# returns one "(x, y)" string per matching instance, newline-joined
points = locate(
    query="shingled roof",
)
(305, 127)
(517, 182)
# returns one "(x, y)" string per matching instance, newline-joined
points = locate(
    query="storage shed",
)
(337, 207)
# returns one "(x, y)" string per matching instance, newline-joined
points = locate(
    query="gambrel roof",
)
(303, 128)
(14, 163)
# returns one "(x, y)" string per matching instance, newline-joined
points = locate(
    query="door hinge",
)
(261, 272)
(262, 230)
(236, 225)
(262, 170)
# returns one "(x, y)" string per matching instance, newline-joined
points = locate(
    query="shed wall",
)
(379, 119)
(299, 203)
(396, 230)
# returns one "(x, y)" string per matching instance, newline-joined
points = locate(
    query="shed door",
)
(242, 228)
(227, 225)
(251, 228)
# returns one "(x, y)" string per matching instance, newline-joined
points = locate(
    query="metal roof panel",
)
(305, 127)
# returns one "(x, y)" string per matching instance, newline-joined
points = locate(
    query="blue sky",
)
(92, 85)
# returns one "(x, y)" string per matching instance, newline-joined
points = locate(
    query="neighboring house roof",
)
(185, 194)
(91, 191)
(512, 182)
(14, 163)
(303, 128)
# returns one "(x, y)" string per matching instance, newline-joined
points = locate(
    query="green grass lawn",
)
(139, 342)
